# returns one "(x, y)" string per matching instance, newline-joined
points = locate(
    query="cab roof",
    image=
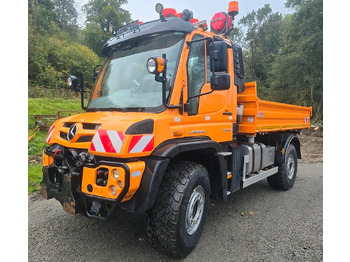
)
(169, 24)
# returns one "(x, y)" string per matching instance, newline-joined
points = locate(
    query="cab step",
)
(259, 176)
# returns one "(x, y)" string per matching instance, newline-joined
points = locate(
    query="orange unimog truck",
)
(170, 124)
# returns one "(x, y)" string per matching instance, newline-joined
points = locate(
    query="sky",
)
(144, 10)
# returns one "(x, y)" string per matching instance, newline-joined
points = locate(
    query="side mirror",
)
(218, 56)
(220, 81)
(73, 82)
(156, 65)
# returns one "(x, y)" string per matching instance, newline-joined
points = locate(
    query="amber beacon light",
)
(233, 8)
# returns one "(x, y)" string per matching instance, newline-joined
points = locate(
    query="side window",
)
(208, 61)
(196, 76)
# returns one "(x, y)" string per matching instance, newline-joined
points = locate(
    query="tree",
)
(106, 13)
(237, 36)
(102, 18)
(297, 72)
(41, 15)
(66, 15)
(263, 41)
(53, 52)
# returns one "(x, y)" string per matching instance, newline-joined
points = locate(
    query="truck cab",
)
(170, 123)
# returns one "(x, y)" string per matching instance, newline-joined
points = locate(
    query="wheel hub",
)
(291, 166)
(194, 210)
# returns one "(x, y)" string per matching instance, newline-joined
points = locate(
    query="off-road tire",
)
(166, 221)
(287, 171)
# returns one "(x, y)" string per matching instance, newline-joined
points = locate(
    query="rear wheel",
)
(176, 221)
(287, 173)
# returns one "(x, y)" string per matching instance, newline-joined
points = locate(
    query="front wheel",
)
(287, 173)
(176, 221)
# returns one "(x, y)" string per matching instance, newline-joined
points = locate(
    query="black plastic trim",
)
(142, 127)
(170, 24)
(157, 163)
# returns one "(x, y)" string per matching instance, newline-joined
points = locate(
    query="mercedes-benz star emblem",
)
(72, 132)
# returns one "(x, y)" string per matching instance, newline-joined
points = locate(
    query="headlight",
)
(155, 65)
(113, 190)
(152, 65)
(72, 81)
(116, 174)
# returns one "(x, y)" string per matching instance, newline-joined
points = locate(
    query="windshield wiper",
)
(120, 109)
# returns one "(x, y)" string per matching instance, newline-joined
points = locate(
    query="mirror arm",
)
(95, 72)
(198, 40)
(207, 93)
(163, 80)
(82, 91)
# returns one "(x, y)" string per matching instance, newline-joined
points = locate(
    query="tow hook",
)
(98, 208)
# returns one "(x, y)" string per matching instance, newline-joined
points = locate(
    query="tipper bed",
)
(261, 116)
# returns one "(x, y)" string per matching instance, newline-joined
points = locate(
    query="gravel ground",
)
(256, 224)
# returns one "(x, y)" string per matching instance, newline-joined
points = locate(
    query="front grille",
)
(85, 138)
(68, 124)
(82, 138)
(90, 126)
(63, 135)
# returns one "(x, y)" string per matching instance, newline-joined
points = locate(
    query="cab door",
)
(209, 113)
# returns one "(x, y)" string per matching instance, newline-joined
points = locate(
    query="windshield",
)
(124, 82)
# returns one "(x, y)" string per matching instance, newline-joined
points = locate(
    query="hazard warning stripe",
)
(49, 134)
(107, 141)
(142, 143)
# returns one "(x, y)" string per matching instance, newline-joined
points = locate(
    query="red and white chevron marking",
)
(107, 141)
(306, 119)
(141, 143)
(49, 134)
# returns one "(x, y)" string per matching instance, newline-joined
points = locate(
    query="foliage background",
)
(283, 53)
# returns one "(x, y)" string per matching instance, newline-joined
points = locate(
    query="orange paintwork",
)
(89, 178)
(216, 115)
(47, 160)
(261, 116)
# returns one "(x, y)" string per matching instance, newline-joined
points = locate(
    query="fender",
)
(159, 160)
(281, 141)
(287, 140)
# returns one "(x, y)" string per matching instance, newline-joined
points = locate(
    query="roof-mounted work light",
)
(159, 8)
(187, 15)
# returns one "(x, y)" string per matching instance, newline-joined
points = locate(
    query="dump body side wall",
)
(261, 116)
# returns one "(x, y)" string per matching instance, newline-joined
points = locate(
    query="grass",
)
(42, 106)
(35, 175)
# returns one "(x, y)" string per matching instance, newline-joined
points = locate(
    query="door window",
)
(196, 72)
